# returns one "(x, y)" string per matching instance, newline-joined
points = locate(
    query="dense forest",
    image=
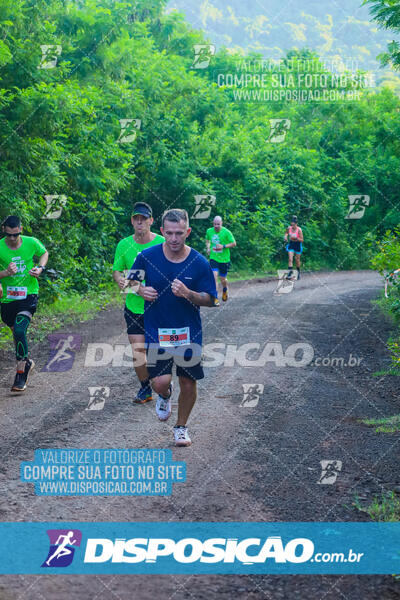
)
(63, 128)
(332, 29)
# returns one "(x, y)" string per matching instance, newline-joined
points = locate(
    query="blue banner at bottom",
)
(195, 548)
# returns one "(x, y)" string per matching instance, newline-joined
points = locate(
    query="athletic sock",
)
(225, 289)
(166, 397)
(145, 383)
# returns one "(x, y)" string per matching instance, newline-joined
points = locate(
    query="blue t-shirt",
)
(169, 312)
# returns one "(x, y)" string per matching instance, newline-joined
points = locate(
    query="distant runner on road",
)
(19, 277)
(125, 254)
(178, 280)
(219, 241)
(294, 236)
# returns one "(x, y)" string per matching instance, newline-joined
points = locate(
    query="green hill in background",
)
(342, 28)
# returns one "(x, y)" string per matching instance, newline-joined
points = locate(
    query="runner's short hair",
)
(294, 219)
(175, 215)
(12, 221)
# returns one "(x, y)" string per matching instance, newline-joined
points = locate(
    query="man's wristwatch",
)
(41, 267)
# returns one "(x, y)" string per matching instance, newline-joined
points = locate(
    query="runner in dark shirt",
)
(178, 280)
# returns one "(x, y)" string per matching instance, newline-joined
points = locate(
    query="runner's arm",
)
(136, 274)
(300, 235)
(44, 259)
(7, 272)
(200, 298)
(147, 293)
(119, 278)
(37, 271)
(232, 241)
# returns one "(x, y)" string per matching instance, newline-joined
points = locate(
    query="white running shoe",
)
(181, 436)
(163, 405)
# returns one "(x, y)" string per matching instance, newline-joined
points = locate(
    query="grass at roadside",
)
(241, 274)
(386, 425)
(386, 508)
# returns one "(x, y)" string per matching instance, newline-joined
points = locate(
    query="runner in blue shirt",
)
(178, 280)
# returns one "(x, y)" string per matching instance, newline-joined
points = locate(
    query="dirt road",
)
(249, 461)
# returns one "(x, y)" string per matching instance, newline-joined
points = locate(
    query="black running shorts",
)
(10, 310)
(163, 366)
(221, 267)
(134, 323)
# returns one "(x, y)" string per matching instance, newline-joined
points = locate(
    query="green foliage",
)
(385, 425)
(387, 259)
(59, 132)
(387, 14)
(384, 509)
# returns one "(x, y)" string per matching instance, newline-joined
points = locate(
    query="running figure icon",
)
(62, 549)
(63, 347)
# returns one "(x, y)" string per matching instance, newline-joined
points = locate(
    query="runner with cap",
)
(125, 254)
(19, 274)
(219, 241)
(294, 237)
(178, 280)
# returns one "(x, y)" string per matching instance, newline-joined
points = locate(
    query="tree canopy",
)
(101, 106)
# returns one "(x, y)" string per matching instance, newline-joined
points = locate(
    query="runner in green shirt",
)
(19, 275)
(125, 254)
(219, 240)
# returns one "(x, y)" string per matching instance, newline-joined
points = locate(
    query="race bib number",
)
(16, 293)
(174, 337)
